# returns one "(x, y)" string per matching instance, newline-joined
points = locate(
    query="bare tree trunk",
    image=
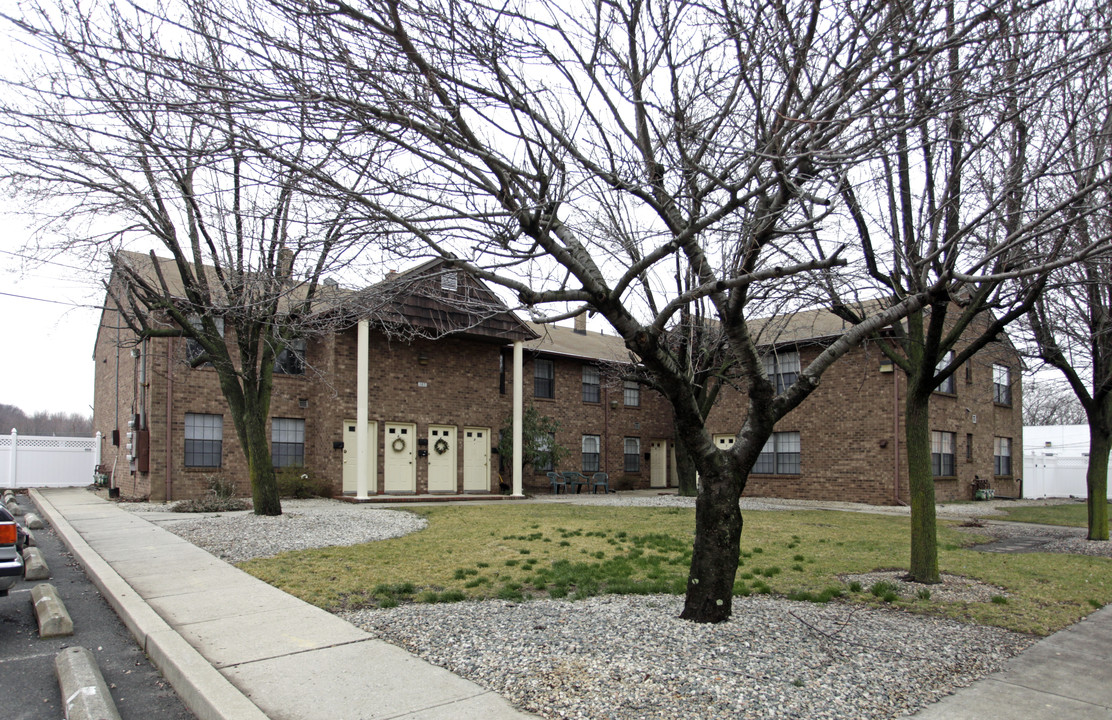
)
(686, 474)
(264, 485)
(924, 542)
(718, 522)
(1096, 478)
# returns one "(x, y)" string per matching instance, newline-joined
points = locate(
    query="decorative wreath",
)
(398, 444)
(440, 446)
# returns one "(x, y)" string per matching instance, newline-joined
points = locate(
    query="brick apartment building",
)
(434, 408)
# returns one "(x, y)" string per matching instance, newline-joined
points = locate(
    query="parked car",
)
(12, 540)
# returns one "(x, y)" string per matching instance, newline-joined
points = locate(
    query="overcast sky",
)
(50, 316)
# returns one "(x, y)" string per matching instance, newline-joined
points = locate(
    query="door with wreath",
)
(399, 471)
(442, 459)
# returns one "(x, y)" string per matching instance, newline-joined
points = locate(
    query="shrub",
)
(219, 497)
(299, 483)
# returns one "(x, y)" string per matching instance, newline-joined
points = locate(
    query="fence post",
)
(96, 456)
(11, 460)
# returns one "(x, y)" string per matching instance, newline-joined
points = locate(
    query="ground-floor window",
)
(942, 454)
(632, 455)
(545, 443)
(1002, 456)
(204, 440)
(591, 445)
(780, 455)
(287, 442)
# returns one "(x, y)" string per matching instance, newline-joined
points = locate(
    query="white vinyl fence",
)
(1056, 476)
(43, 461)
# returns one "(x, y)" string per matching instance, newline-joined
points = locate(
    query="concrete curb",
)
(53, 618)
(34, 567)
(208, 694)
(83, 688)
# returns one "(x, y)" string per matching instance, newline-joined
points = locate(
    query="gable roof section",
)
(566, 342)
(415, 298)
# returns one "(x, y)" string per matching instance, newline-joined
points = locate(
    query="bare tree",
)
(1049, 403)
(634, 159)
(124, 132)
(959, 214)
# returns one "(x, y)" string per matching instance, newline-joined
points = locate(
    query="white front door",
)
(442, 459)
(399, 472)
(351, 477)
(476, 459)
(658, 464)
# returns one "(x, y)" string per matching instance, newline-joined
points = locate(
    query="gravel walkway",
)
(630, 656)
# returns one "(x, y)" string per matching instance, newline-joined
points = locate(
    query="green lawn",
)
(1074, 514)
(521, 551)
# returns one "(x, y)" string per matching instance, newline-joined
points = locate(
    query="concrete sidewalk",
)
(235, 647)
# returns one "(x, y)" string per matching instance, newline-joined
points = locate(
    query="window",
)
(942, 454)
(291, 361)
(780, 455)
(782, 368)
(590, 453)
(287, 442)
(502, 373)
(449, 281)
(947, 385)
(204, 440)
(544, 443)
(1002, 456)
(193, 349)
(632, 455)
(968, 447)
(590, 384)
(544, 378)
(631, 393)
(1001, 385)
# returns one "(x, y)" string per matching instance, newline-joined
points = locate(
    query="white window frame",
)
(943, 453)
(1001, 384)
(782, 368)
(1002, 456)
(592, 384)
(631, 455)
(782, 454)
(287, 442)
(592, 458)
(947, 385)
(538, 377)
(204, 440)
(631, 393)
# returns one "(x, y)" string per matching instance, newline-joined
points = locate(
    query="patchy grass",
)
(576, 552)
(1073, 514)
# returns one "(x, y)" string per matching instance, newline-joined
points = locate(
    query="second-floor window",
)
(591, 391)
(544, 378)
(782, 368)
(193, 349)
(942, 453)
(1001, 384)
(291, 361)
(631, 393)
(947, 385)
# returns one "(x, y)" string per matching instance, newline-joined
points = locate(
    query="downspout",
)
(896, 434)
(169, 419)
(518, 419)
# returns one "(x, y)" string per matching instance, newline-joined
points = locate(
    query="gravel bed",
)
(632, 657)
(303, 524)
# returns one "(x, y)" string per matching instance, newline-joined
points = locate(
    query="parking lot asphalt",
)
(28, 684)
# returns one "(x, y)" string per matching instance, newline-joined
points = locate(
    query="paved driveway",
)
(27, 662)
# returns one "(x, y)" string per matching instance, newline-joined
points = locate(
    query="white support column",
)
(362, 383)
(518, 415)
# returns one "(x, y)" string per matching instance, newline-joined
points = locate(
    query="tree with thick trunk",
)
(116, 139)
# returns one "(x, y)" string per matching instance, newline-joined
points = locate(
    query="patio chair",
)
(600, 479)
(557, 483)
(575, 479)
